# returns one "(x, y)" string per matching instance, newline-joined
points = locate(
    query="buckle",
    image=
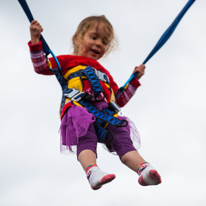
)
(74, 95)
(77, 97)
(102, 76)
(115, 107)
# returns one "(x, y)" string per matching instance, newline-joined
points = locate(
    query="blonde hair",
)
(88, 23)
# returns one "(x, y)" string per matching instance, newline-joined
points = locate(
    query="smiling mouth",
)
(95, 51)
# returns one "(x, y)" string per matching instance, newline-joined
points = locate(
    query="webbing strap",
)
(75, 74)
(102, 133)
(60, 77)
(101, 75)
(29, 15)
(63, 83)
(102, 115)
(94, 81)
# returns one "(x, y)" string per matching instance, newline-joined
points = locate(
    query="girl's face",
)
(95, 42)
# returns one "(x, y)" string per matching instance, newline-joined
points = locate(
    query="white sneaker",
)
(149, 176)
(97, 178)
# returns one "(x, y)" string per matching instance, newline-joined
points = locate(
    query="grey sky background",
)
(168, 109)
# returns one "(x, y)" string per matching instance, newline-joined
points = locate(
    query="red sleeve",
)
(40, 66)
(40, 63)
(123, 97)
(64, 61)
(38, 59)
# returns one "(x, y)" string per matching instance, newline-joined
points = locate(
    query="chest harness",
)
(103, 117)
(106, 115)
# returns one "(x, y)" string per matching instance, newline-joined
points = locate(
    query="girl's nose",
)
(99, 42)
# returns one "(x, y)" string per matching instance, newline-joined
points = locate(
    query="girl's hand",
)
(141, 70)
(35, 31)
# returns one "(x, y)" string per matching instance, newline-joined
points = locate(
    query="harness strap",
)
(60, 77)
(63, 82)
(94, 81)
(102, 76)
(102, 133)
(103, 115)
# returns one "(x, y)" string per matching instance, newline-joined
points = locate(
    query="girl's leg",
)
(86, 148)
(148, 175)
(123, 145)
(87, 157)
(132, 160)
(86, 154)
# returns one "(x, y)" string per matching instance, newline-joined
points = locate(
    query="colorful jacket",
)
(70, 64)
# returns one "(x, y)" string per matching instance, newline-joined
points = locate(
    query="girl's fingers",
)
(36, 27)
(142, 66)
(141, 70)
(34, 22)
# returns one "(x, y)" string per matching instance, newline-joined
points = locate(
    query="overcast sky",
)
(168, 109)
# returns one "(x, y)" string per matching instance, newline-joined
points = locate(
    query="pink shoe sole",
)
(154, 175)
(141, 181)
(104, 180)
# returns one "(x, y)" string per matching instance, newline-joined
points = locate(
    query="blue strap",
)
(28, 13)
(63, 82)
(102, 115)
(60, 78)
(169, 31)
(102, 134)
(75, 74)
(163, 38)
(93, 80)
(102, 118)
(89, 72)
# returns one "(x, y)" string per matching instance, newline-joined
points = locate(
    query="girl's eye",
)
(105, 43)
(93, 37)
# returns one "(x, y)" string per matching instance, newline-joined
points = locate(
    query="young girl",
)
(93, 39)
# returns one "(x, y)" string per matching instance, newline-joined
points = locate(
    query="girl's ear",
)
(76, 39)
(76, 43)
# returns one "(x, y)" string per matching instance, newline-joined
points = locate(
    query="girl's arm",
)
(36, 50)
(127, 94)
(38, 59)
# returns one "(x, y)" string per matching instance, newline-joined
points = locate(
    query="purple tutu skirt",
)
(76, 122)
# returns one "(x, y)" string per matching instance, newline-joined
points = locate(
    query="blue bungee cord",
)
(46, 48)
(159, 44)
(163, 39)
